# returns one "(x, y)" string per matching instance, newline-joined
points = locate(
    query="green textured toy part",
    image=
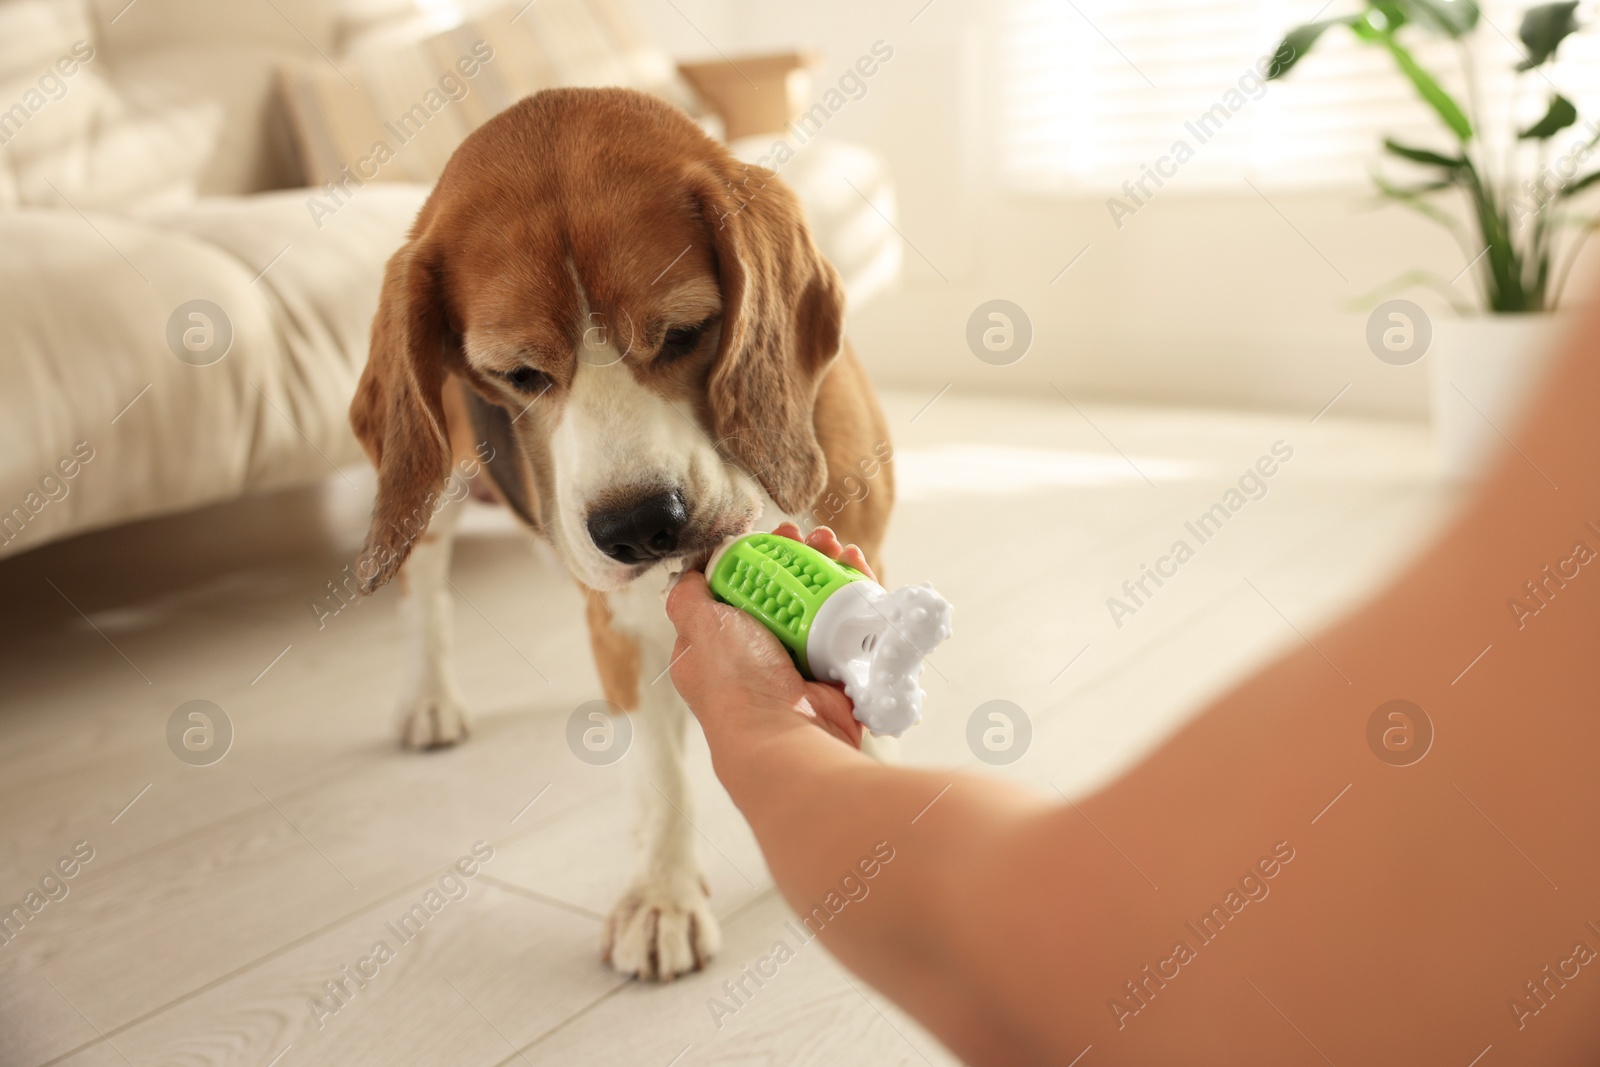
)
(782, 583)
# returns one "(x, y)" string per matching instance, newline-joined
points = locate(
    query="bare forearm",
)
(885, 863)
(817, 806)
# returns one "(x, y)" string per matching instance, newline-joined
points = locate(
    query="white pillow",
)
(50, 96)
(406, 106)
(8, 185)
(65, 132)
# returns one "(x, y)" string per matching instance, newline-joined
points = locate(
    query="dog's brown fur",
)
(616, 184)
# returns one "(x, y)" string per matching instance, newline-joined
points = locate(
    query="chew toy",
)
(838, 624)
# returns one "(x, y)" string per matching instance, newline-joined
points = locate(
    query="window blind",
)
(1093, 91)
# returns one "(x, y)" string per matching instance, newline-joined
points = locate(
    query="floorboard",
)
(221, 897)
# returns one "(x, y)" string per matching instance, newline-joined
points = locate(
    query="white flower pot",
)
(1484, 371)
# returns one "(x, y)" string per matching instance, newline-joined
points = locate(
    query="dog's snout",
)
(644, 529)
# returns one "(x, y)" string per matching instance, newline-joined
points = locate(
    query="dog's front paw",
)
(657, 934)
(433, 722)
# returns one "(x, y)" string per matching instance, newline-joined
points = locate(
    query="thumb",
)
(690, 607)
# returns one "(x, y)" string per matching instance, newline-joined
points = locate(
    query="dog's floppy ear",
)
(782, 320)
(398, 412)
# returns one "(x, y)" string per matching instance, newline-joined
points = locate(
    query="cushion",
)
(250, 149)
(296, 27)
(8, 186)
(68, 138)
(50, 89)
(397, 113)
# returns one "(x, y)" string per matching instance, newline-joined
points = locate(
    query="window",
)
(1093, 91)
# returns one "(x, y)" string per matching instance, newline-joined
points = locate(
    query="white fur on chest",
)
(639, 610)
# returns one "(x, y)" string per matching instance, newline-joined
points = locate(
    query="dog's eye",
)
(527, 380)
(679, 342)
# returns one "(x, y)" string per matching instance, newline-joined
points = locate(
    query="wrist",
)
(767, 748)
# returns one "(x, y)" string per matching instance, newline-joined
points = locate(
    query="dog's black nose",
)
(643, 530)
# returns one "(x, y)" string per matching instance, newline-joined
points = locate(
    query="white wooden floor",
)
(223, 898)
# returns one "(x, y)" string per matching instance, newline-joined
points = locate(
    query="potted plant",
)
(1518, 236)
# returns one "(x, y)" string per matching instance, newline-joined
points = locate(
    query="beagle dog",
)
(636, 335)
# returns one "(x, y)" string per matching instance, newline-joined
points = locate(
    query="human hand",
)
(824, 540)
(735, 675)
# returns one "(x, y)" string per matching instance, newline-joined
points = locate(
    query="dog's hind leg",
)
(432, 713)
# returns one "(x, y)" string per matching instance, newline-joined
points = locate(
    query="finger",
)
(689, 605)
(789, 530)
(852, 556)
(680, 647)
(686, 670)
(825, 541)
(834, 712)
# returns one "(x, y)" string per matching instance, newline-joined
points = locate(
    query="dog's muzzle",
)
(642, 530)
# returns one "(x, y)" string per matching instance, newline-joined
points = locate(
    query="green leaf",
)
(1578, 186)
(1423, 207)
(1430, 90)
(1560, 115)
(1391, 14)
(1411, 192)
(1410, 280)
(1544, 27)
(1296, 43)
(1422, 155)
(1454, 18)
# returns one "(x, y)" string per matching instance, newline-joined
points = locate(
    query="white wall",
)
(1206, 296)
